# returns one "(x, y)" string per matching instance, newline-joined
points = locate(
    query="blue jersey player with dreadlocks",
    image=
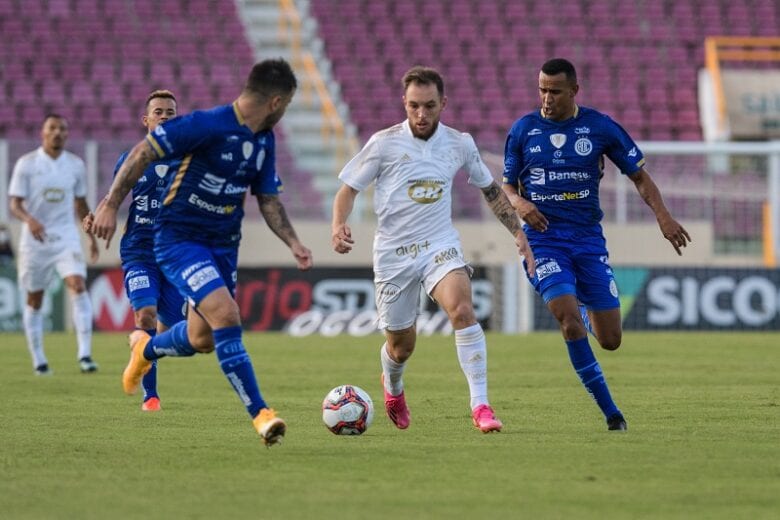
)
(225, 152)
(553, 162)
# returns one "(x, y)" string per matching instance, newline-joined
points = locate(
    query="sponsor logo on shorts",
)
(387, 292)
(191, 269)
(138, 282)
(547, 268)
(202, 277)
(446, 256)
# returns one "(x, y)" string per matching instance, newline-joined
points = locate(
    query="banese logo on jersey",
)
(537, 176)
(211, 183)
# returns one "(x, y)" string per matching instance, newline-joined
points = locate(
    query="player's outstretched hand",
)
(675, 234)
(104, 223)
(303, 256)
(341, 239)
(525, 252)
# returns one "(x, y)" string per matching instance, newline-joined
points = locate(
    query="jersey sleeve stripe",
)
(153, 143)
(185, 163)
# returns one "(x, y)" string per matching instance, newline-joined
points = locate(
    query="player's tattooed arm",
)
(276, 217)
(501, 208)
(131, 170)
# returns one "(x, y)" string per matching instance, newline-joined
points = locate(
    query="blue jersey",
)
(222, 159)
(138, 239)
(558, 165)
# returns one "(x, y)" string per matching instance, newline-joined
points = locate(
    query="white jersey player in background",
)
(44, 186)
(413, 165)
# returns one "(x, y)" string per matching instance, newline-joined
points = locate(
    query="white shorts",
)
(398, 286)
(37, 267)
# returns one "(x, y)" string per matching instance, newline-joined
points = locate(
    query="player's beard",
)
(271, 119)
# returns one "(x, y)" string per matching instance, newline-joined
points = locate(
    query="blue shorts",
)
(577, 263)
(145, 285)
(195, 269)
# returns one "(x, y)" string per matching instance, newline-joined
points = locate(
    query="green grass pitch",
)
(703, 411)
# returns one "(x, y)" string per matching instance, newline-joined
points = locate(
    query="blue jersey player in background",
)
(157, 304)
(225, 152)
(553, 162)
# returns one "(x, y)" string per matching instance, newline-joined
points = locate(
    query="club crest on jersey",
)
(247, 149)
(260, 159)
(161, 170)
(558, 140)
(583, 146)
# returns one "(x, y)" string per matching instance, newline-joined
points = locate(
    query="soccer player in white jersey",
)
(44, 185)
(413, 165)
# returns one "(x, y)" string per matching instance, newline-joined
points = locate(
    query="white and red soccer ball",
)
(347, 410)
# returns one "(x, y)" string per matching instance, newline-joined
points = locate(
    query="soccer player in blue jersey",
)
(156, 303)
(553, 163)
(225, 151)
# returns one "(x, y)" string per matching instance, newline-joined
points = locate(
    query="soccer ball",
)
(347, 410)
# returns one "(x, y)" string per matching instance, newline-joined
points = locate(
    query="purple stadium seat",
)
(53, 93)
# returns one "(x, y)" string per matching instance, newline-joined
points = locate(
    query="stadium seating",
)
(637, 61)
(96, 60)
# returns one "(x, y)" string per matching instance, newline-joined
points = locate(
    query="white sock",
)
(82, 321)
(393, 371)
(472, 354)
(33, 330)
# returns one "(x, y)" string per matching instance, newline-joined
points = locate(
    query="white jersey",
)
(413, 194)
(48, 187)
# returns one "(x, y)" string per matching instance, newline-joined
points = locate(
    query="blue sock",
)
(589, 370)
(173, 342)
(149, 381)
(237, 366)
